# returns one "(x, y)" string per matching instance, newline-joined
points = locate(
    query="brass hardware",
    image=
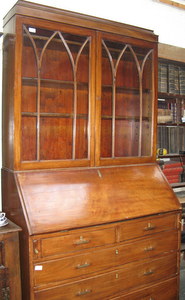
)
(117, 275)
(85, 265)
(84, 292)
(117, 251)
(99, 173)
(35, 244)
(149, 227)
(82, 241)
(151, 298)
(150, 248)
(36, 251)
(150, 272)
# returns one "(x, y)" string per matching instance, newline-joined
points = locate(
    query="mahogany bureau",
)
(98, 218)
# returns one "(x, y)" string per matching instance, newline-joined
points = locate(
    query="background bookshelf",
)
(171, 119)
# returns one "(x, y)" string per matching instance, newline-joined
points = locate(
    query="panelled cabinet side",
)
(8, 94)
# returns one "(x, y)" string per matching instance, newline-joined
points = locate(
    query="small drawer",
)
(77, 241)
(141, 227)
(109, 285)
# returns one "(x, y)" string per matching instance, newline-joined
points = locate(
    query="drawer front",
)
(77, 241)
(167, 290)
(149, 247)
(87, 263)
(137, 228)
(110, 284)
(74, 266)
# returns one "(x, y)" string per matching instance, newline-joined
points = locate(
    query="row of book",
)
(171, 138)
(172, 170)
(171, 79)
(171, 112)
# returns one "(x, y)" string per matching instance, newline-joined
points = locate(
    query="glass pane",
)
(29, 101)
(120, 101)
(29, 149)
(54, 132)
(127, 108)
(56, 92)
(82, 103)
(106, 106)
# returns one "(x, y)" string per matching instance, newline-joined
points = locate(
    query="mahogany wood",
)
(98, 218)
(77, 198)
(164, 291)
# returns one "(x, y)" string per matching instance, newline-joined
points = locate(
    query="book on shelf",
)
(171, 164)
(173, 177)
(171, 138)
(182, 80)
(171, 111)
(171, 78)
(173, 180)
(173, 171)
(163, 78)
(164, 115)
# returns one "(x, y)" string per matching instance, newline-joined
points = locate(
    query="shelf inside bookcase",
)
(128, 118)
(170, 96)
(179, 184)
(125, 89)
(54, 115)
(47, 82)
(171, 155)
(171, 124)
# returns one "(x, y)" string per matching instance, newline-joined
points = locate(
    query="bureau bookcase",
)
(98, 218)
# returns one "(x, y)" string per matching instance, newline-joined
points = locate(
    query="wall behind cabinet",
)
(150, 14)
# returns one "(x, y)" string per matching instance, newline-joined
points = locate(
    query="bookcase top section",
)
(65, 199)
(29, 9)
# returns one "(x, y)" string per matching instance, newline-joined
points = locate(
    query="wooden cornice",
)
(173, 3)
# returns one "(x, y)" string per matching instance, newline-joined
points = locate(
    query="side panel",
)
(8, 94)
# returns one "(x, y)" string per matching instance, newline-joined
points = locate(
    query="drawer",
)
(141, 227)
(69, 268)
(123, 280)
(77, 241)
(87, 263)
(149, 247)
(167, 290)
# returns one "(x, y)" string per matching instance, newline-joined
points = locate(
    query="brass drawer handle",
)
(150, 272)
(84, 292)
(149, 227)
(150, 248)
(85, 265)
(36, 251)
(82, 241)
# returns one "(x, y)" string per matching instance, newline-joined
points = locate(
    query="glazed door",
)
(125, 100)
(56, 96)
